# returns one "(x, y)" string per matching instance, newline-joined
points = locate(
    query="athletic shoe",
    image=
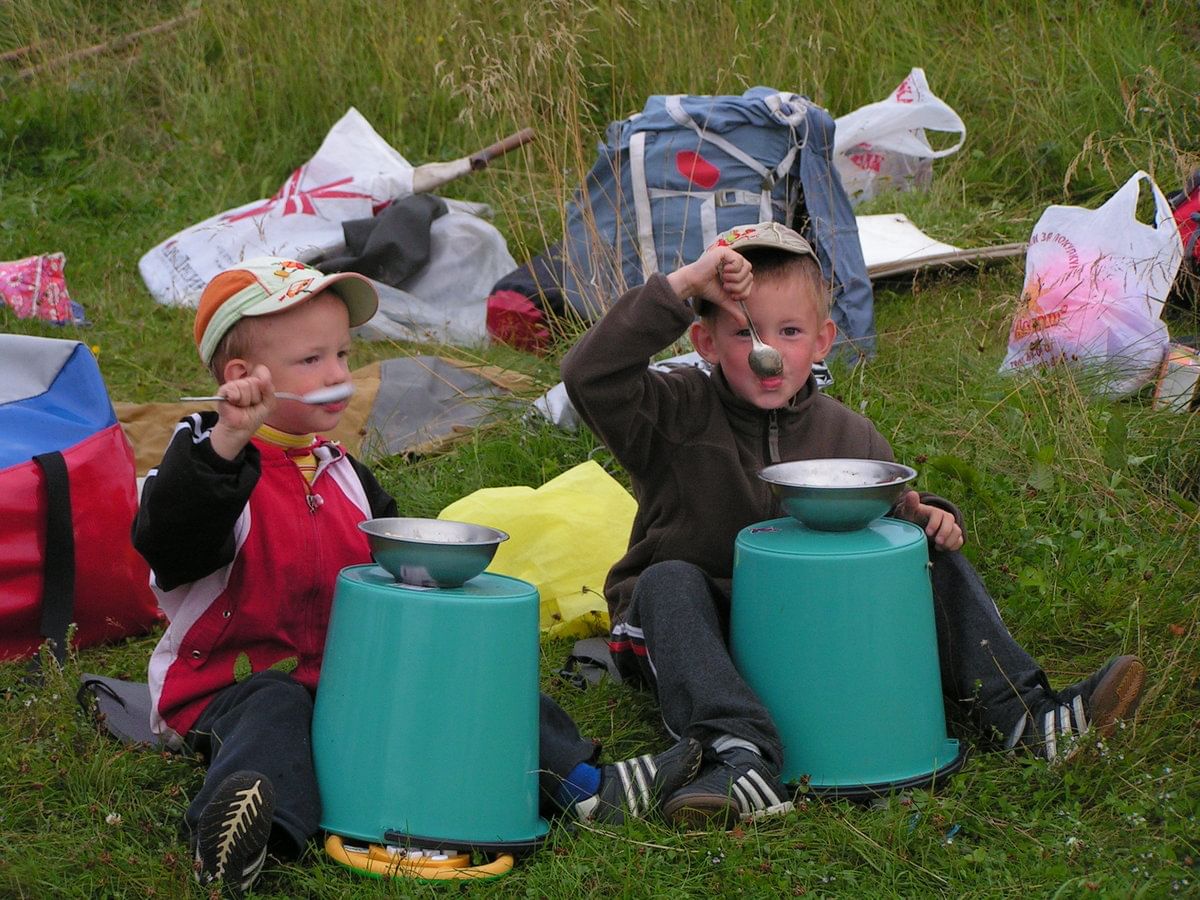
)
(1054, 730)
(738, 786)
(231, 843)
(633, 787)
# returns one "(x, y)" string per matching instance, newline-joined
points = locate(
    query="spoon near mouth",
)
(765, 361)
(319, 397)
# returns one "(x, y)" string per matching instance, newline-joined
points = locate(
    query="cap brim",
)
(356, 291)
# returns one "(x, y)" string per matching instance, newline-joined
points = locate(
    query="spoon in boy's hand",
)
(319, 397)
(765, 361)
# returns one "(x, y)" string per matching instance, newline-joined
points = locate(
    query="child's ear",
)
(825, 338)
(235, 369)
(702, 340)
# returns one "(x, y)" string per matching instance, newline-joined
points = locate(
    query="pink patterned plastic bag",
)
(1095, 282)
(35, 287)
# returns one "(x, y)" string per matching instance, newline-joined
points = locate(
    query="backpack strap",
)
(58, 569)
(641, 204)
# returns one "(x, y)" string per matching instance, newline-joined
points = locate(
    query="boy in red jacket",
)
(246, 524)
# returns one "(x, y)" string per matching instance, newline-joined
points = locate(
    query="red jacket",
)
(244, 557)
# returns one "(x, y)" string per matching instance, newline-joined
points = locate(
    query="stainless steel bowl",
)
(838, 494)
(432, 552)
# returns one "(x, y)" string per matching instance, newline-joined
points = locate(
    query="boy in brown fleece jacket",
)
(693, 445)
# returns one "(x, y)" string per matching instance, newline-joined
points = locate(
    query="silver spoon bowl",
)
(765, 361)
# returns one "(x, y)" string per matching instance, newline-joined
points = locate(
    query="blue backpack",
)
(672, 177)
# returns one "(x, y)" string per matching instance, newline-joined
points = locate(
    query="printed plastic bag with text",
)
(882, 146)
(1095, 285)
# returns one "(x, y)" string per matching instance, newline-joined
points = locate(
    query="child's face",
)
(785, 314)
(306, 347)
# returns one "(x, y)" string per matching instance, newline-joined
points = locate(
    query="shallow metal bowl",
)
(838, 494)
(432, 552)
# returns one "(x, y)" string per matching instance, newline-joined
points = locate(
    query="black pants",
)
(682, 617)
(264, 724)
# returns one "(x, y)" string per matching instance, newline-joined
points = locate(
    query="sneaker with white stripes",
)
(231, 838)
(739, 786)
(1054, 731)
(633, 787)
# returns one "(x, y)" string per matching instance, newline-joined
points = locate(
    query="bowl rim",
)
(905, 475)
(498, 536)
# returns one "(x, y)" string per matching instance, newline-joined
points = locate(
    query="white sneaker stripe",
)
(768, 793)
(756, 800)
(1051, 734)
(1080, 715)
(1064, 716)
(630, 798)
(643, 786)
(744, 804)
(648, 762)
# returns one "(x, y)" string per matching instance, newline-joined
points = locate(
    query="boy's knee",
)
(671, 574)
(669, 586)
(278, 690)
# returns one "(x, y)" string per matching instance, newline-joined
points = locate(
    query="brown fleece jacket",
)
(692, 448)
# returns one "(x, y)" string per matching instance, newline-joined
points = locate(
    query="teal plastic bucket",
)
(835, 633)
(426, 721)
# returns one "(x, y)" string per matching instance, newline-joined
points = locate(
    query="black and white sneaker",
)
(738, 786)
(632, 788)
(1054, 731)
(231, 841)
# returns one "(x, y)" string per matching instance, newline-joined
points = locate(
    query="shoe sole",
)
(233, 831)
(705, 810)
(1117, 695)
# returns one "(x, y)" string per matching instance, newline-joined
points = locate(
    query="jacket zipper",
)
(773, 437)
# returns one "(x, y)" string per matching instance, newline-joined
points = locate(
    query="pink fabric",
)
(512, 318)
(35, 287)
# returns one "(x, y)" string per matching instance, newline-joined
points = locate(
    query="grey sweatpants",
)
(678, 625)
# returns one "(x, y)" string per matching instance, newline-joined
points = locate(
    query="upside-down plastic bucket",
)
(835, 633)
(425, 730)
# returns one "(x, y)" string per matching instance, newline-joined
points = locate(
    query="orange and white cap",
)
(269, 285)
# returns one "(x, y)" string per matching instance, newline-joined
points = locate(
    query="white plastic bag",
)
(1095, 284)
(353, 174)
(883, 147)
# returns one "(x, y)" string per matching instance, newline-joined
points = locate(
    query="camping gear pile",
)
(395, 803)
(806, 599)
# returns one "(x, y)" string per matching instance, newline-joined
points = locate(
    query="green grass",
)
(1081, 514)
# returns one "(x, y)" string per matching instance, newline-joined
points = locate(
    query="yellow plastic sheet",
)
(563, 538)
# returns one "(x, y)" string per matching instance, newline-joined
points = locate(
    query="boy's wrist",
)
(228, 442)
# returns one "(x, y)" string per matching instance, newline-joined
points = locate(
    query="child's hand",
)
(247, 404)
(721, 276)
(939, 524)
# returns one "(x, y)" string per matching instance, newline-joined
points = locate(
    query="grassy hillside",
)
(1081, 514)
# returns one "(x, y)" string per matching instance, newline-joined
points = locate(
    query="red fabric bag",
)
(68, 496)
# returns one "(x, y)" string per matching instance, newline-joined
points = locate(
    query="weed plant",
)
(1081, 513)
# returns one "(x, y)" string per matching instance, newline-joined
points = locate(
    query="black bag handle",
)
(58, 567)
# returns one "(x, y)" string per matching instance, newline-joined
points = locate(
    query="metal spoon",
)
(765, 361)
(319, 397)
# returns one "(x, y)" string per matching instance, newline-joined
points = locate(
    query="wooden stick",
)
(112, 46)
(512, 142)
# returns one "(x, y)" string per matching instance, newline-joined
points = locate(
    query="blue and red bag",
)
(68, 495)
